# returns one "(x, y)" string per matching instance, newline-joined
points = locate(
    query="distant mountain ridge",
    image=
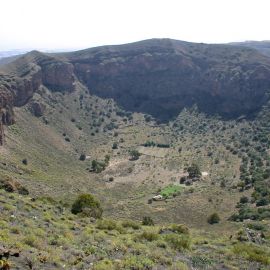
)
(158, 76)
(10, 53)
(261, 46)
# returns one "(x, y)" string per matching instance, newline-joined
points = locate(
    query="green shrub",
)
(147, 221)
(107, 224)
(149, 144)
(131, 224)
(136, 263)
(194, 171)
(178, 242)
(148, 235)
(251, 213)
(201, 262)
(98, 166)
(175, 228)
(179, 266)
(88, 205)
(256, 226)
(31, 240)
(262, 202)
(134, 154)
(103, 265)
(214, 218)
(241, 236)
(252, 253)
(171, 191)
(180, 228)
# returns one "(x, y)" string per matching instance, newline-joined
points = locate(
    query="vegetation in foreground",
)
(46, 235)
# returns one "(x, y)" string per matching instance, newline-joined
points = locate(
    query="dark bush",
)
(262, 202)
(82, 157)
(115, 146)
(147, 221)
(134, 154)
(194, 171)
(214, 218)
(87, 205)
(244, 199)
(25, 161)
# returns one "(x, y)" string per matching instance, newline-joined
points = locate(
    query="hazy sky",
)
(60, 24)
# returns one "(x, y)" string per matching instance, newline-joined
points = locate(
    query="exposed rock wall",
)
(161, 77)
(23, 77)
(6, 111)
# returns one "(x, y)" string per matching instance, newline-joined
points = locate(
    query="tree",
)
(115, 146)
(214, 218)
(25, 161)
(194, 171)
(134, 154)
(82, 157)
(87, 205)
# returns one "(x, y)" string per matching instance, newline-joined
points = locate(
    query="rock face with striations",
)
(20, 79)
(6, 111)
(162, 76)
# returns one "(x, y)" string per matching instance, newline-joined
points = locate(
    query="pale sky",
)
(74, 24)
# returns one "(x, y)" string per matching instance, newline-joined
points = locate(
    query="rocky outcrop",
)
(5, 253)
(11, 185)
(37, 108)
(20, 79)
(58, 76)
(6, 111)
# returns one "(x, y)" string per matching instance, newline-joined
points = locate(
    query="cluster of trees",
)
(152, 144)
(246, 212)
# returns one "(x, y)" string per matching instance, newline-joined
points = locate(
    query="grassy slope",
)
(54, 168)
(49, 237)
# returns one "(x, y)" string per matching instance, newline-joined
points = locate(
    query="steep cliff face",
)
(20, 79)
(161, 77)
(27, 73)
(6, 111)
